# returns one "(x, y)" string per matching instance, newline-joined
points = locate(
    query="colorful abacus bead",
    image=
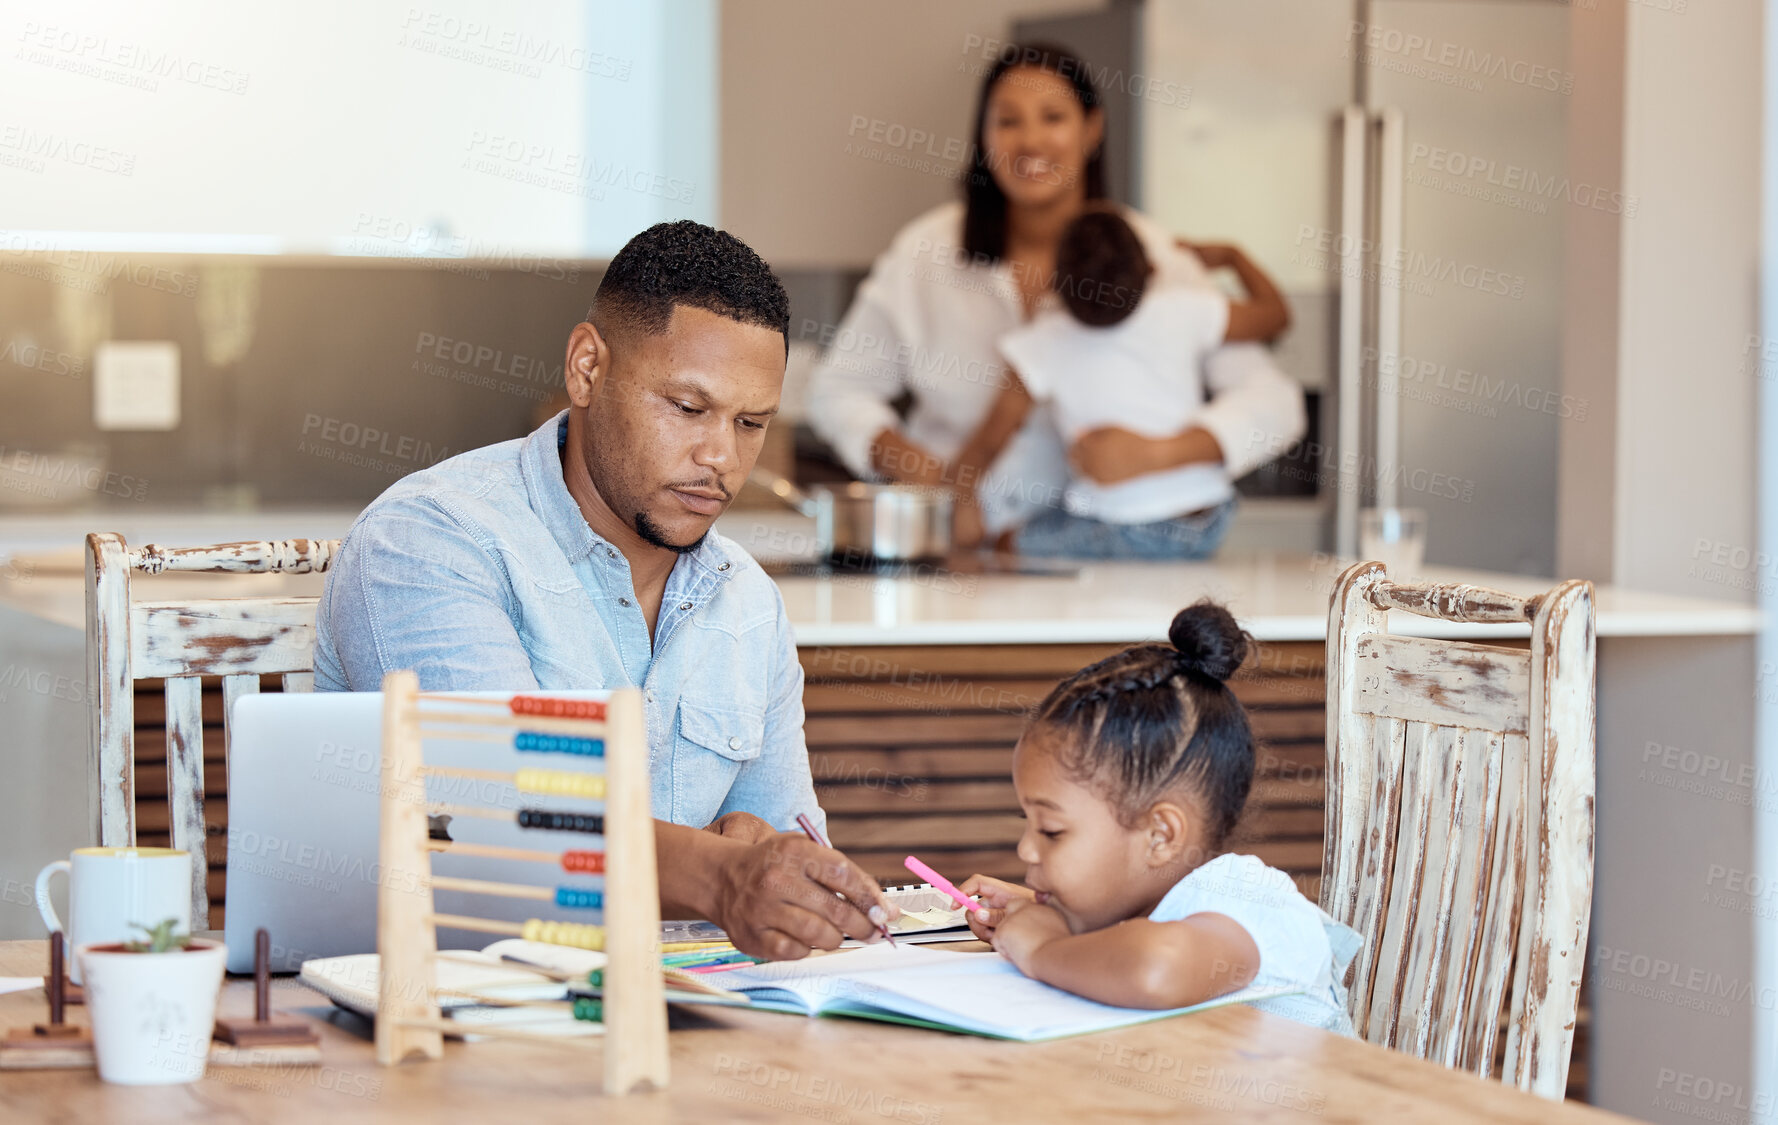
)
(557, 708)
(561, 783)
(583, 862)
(575, 934)
(580, 898)
(561, 821)
(589, 1008)
(538, 743)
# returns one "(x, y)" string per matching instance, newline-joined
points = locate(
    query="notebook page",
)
(821, 981)
(985, 993)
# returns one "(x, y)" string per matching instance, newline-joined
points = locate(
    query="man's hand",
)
(779, 898)
(995, 894)
(742, 826)
(1028, 927)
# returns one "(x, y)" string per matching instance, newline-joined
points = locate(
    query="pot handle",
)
(784, 489)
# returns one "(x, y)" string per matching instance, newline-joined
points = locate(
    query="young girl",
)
(1131, 775)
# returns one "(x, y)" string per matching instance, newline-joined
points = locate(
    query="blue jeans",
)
(1056, 533)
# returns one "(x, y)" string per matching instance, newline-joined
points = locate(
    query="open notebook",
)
(978, 993)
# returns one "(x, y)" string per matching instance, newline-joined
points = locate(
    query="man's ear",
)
(588, 361)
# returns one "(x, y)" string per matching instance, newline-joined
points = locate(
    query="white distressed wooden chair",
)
(1460, 822)
(239, 639)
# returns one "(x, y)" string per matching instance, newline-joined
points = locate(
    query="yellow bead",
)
(576, 934)
(561, 783)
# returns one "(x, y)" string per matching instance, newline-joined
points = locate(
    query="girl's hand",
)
(1028, 927)
(996, 896)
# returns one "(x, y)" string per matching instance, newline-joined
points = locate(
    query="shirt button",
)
(684, 605)
(734, 742)
(724, 566)
(623, 601)
(610, 554)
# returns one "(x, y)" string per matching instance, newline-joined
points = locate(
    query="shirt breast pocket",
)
(736, 735)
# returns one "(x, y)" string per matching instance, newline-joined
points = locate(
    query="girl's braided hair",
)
(1153, 717)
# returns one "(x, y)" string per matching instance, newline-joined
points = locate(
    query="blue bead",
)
(578, 898)
(559, 744)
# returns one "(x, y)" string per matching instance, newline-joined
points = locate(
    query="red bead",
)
(591, 863)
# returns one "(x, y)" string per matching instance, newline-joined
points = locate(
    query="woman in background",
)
(927, 320)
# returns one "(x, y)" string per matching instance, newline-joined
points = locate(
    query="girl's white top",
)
(928, 321)
(1300, 946)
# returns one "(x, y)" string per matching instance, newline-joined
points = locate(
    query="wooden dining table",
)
(1233, 1063)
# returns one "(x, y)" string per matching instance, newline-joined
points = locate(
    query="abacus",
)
(608, 732)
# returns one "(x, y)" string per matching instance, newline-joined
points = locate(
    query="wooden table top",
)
(732, 1065)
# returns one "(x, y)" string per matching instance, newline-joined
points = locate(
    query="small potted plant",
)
(152, 1004)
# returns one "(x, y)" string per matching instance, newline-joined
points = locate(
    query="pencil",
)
(813, 833)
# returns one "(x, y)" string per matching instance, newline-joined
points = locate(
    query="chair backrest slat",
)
(1452, 684)
(1476, 810)
(222, 636)
(185, 786)
(112, 749)
(1500, 922)
(1372, 854)
(239, 639)
(1459, 840)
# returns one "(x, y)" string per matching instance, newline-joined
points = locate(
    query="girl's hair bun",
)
(1208, 640)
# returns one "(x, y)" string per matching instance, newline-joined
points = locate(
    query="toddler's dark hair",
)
(1153, 717)
(1101, 268)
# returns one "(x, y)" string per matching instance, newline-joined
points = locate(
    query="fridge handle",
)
(1348, 434)
(1390, 178)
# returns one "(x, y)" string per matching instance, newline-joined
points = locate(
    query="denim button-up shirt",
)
(481, 573)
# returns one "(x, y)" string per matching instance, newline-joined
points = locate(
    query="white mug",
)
(113, 890)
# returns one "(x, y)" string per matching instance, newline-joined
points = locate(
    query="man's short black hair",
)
(1101, 269)
(687, 263)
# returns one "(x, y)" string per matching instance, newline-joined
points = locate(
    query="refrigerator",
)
(1400, 167)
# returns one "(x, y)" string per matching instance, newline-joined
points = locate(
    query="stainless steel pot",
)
(858, 523)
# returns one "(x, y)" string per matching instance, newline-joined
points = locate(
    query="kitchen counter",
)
(1276, 597)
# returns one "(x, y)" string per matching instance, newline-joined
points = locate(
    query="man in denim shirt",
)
(581, 557)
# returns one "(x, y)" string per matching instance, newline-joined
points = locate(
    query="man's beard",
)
(654, 536)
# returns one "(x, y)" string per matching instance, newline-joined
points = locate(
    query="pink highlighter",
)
(941, 883)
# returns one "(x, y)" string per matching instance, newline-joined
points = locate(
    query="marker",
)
(941, 883)
(876, 913)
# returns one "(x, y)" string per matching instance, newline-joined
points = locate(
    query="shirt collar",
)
(540, 462)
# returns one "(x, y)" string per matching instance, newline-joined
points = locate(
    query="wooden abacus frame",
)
(634, 1006)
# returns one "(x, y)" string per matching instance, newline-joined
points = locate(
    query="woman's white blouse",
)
(927, 321)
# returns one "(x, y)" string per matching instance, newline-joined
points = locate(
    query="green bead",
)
(596, 978)
(589, 1008)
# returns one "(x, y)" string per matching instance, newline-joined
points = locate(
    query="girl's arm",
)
(995, 894)
(1264, 314)
(1134, 964)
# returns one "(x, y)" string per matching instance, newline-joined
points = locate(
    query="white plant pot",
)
(152, 1013)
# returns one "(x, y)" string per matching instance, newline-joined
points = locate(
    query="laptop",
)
(303, 808)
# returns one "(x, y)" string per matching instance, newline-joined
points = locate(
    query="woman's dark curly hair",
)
(1154, 717)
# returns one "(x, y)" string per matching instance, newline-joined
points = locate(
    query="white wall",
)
(462, 127)
(1250, 157)
(804, 85)
(1685, 441)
